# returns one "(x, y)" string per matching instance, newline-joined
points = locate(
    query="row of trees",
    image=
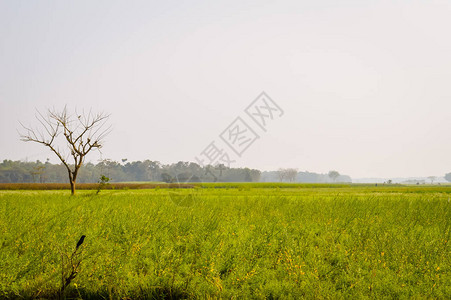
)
(18, 171)
(293, 175)
(147, 170)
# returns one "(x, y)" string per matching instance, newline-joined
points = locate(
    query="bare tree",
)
(287, 174)
(291, 174)
(79, 133)
(282, 174)
(432, 179)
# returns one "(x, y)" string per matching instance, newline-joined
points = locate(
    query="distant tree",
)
(432, 179)
(333, 175)
(281, 174)
(247, 175)
(255, 175)
(448, 177)
(153, 169)
(167, 178)
(288, 174)
(38, 172)
(221, 168)
(291, 174)
(80, 134)
(209, 170)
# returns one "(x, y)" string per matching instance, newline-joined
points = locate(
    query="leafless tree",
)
(432, 179)
(291, 174)
(79, 133)
(281, 174)
(287, 174)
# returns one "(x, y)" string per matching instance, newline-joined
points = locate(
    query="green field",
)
(229, 241)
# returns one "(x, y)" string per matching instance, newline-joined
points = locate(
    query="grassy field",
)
(229, 241)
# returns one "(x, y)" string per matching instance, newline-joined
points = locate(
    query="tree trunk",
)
(72, 187)
(72, 182)
(74, 179)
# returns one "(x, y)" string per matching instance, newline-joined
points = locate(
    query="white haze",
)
(365, 85)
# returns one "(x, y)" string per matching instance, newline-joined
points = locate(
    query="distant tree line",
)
(147, 170)
(27, 172)
(292, 175)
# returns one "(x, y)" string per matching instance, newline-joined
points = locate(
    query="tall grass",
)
(350, 242)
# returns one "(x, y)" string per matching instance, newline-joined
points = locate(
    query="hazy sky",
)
(364, 85)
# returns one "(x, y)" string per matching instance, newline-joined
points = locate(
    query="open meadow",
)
(228, 241)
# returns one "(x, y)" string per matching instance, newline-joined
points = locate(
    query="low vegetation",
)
(229, 241)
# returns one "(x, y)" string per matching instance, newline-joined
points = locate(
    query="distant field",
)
(230, 241)
(153, 185)
(242, 185)
(89, 186)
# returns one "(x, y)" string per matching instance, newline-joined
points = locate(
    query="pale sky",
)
(364, 85)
